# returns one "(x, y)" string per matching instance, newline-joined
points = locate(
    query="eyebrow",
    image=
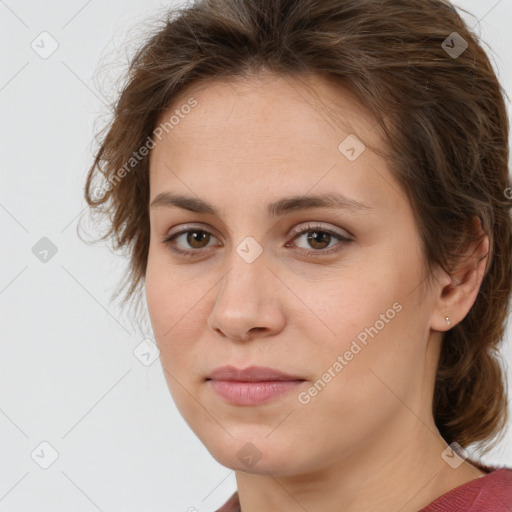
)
(275, 209)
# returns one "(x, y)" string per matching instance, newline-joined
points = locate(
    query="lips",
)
(251, 386)
(250, 374)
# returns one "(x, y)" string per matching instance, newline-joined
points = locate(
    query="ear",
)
(457, 293)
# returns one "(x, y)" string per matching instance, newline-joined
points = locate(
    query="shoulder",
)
(491, 492)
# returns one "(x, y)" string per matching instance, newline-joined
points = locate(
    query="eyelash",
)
(168, 241)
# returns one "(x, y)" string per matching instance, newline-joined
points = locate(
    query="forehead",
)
(264, 103)
(269, 132)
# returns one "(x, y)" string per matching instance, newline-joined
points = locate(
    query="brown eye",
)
(190, 241)
(197, 238)
(318, 239)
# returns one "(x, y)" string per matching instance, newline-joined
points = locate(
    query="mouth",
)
(251, 386)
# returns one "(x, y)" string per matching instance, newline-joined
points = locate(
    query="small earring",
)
(448, 321)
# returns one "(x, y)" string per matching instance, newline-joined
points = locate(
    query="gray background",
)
(68, 374)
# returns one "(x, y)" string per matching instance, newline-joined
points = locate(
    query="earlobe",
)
(457, 296)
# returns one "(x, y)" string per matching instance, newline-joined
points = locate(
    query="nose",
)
(246, 303)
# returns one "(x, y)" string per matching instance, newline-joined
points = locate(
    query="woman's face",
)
(328, 294)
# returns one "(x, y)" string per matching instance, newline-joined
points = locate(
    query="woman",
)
(314, 194)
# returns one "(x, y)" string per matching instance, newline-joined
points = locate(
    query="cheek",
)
(166, 293)
(349, 302)
(165, 302)
(164, 315)
(167, 305)
(156, 297)
(173, 307)
(377, 326)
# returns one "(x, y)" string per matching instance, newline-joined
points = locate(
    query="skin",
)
(367, 440)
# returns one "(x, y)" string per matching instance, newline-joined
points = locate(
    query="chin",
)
(255, 453)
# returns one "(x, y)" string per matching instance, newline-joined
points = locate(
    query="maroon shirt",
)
(489, 493)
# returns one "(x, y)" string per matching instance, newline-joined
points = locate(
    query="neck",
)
(412, 475)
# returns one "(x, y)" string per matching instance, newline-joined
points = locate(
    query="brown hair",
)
(446, 129)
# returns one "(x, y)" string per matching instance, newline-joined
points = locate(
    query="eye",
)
(195, 238)
(320, 238)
